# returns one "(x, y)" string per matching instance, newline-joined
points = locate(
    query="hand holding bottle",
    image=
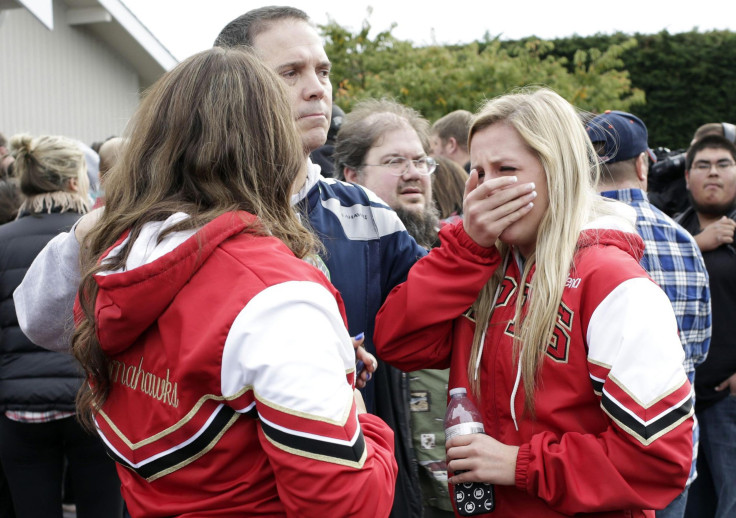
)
(481, 458)
(464, 422)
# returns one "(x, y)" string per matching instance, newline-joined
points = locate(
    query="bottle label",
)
(463, 429)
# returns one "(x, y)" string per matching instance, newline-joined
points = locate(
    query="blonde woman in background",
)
(540, 308)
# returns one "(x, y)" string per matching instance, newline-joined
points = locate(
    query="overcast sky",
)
(188, 26)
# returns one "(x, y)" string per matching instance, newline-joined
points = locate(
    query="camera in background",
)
(666, 181)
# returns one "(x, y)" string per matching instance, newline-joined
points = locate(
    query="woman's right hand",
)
(492, 204)
(481, 458)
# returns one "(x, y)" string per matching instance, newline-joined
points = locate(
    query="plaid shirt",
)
(24, 416)
(674, 262)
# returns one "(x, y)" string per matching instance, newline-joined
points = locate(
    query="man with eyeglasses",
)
(671, 256)
(711, 180)
(383, 145)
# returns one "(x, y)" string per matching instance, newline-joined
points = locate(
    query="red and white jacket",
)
(613, 426)
(232, 382)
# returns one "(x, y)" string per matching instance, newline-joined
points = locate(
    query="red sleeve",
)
(641, 457)
(620, 473)
(320, 486)
(414, 326)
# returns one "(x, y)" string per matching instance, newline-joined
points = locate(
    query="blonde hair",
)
(552, 129)
(214, 135)
(45, 167)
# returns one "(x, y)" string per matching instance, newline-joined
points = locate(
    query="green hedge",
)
(689, 79)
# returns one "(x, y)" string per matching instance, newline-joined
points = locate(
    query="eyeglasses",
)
(721, 166)
(399, 165)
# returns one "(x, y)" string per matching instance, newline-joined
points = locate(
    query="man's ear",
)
(687, 179)
(452, 143)
(351, 175)
(642, 169)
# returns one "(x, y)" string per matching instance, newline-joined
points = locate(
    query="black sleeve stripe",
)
(597, 385)
(180, 457)
(345, 454)
(252, 412)
(647, 433)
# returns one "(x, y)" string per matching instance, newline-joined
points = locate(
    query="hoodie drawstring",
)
(520, 263)
(485, 329)
(483, 343)
(480, 352)
(513, 392)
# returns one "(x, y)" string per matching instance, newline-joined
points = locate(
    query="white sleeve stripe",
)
(635, 332)
(290, 344)
(364, 222)
(246, 409)
(316, 437)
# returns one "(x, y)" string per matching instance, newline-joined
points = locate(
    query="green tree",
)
(438, 79)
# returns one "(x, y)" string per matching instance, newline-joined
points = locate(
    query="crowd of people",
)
(261, 312)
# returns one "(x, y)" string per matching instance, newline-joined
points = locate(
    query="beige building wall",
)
(63, 82)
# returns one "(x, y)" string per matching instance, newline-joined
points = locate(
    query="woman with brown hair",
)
(221, 372)
(448, 187)
(38, 428)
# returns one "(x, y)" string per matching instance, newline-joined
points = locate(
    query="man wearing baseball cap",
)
(672, 258)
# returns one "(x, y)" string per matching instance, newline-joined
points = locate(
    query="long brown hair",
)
(448, 187)
(216, 134)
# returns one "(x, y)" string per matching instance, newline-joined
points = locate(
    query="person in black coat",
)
(38, 428)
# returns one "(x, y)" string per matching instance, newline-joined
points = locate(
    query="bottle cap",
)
(458, 390)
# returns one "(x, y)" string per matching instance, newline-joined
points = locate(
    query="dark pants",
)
(676, 508)
(6, 501)
(713, 493)
(33, 460)
(433, 512)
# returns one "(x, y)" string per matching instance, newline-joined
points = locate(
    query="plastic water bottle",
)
(462, 418)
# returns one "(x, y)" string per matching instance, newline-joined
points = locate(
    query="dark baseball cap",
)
(623, 135)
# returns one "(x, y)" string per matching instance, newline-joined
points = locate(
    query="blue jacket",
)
(367, 249)
(367, 252)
